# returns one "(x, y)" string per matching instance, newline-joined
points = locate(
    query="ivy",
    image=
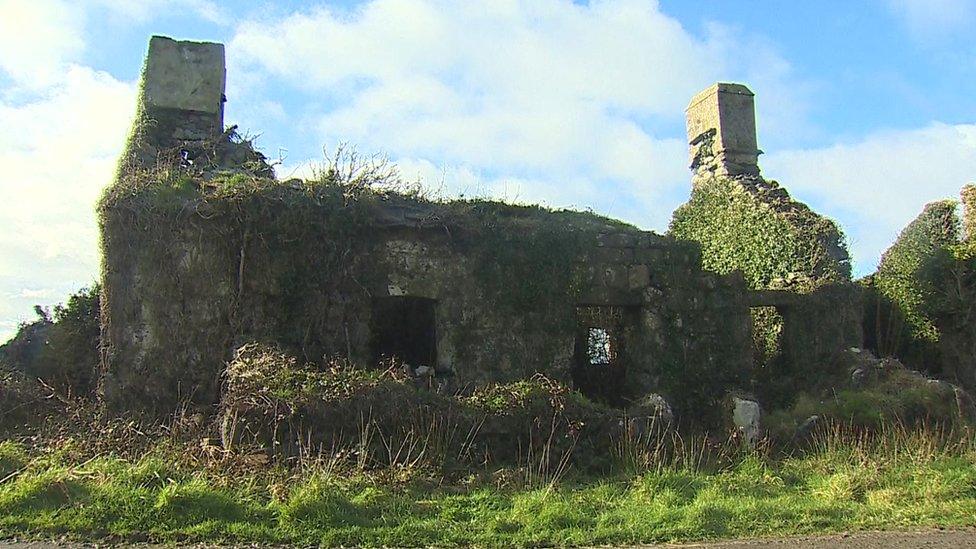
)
(910, 271)
(751, 225)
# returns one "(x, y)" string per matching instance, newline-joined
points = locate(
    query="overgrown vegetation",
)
(270, 401)
(767, 336)
(845, 481)
(752, 225)
(922, 300)
(884, 393)
(60, 350)
(510, 464)
(288, 261)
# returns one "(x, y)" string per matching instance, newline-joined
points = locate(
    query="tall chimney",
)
(722, 132)
(968, 196)
(181, 98)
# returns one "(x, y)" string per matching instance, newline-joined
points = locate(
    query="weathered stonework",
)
(722, 132)
(200, 259)
(185, 76)
(968, 198)
(795, 260)
(180, 104)
(171, 331)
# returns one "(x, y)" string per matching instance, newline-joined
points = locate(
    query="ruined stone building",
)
(204, 251)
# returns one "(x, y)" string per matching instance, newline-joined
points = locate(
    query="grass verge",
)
(845, 481)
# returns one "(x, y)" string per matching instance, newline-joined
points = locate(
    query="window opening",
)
(403, 329)
(599, 368)
(767, 336)
(600, 349)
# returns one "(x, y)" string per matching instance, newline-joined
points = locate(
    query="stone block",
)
(616, 277)
(616, 240)
(185, 76)
(653, 240)
(613, 255)
(649, 255)
(639, 277)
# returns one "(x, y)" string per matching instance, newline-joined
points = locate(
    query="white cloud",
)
(59, 151)
(37, 37)
(879, 184)
(31, 293)
(552, 98)
(928, 19)
(143, 10)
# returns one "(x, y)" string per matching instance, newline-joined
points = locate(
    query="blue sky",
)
(866, 109)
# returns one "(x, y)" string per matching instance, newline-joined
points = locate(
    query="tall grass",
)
(661, 488)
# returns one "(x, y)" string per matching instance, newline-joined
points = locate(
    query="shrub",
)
(752, 225)
(891, 394)
(922, 299)
(906, 272)
(22, 400)
(63, 350)
(379, 418)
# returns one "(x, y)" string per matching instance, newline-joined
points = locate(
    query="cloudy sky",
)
(867, 110)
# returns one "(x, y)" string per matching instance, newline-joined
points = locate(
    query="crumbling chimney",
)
(181, 97)
(968, 196)
(722, 132)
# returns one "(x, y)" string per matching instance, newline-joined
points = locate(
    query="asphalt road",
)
(928, 539)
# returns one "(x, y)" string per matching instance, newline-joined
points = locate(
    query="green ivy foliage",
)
(63, 350)
(923, 305)
(910, 271)
(752, 225)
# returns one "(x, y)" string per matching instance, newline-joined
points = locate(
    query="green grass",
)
(845, 482)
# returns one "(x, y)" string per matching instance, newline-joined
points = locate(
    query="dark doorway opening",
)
(404, 330)
(599, 369)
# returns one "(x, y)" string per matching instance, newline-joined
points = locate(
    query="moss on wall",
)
(198, 263)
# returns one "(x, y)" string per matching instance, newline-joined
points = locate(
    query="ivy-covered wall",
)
(751, 225)
(922, 299)
(195, 266)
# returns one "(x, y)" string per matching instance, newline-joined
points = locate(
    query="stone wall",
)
(204, 252)
(818, 328)
(795, 259)
(188, 281)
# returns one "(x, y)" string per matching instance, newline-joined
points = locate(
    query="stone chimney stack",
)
(722, 132)
(181, 99)
(968, 196)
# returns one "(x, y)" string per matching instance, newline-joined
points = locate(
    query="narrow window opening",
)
(403, 329)
(767, 336)
(600, 349)
(599, 371)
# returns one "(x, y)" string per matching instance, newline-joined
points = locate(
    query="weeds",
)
(678, 489)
